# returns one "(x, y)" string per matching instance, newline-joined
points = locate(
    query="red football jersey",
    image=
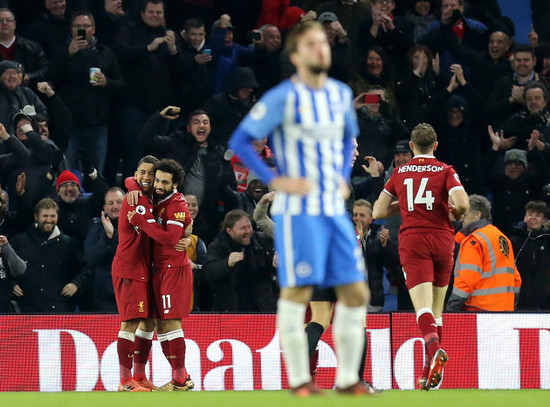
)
(169, 213)
(133, 255)
(422, 187)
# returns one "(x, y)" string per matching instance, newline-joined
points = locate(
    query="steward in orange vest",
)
(486, 278)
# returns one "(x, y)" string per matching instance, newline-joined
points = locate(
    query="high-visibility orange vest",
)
(485, 272)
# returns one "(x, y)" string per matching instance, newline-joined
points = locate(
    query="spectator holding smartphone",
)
(379, 128)
(195, 64)
(88, 98)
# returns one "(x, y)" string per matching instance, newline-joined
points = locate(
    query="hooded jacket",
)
(226, 110)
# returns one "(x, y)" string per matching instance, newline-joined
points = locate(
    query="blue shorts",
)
(317, 250)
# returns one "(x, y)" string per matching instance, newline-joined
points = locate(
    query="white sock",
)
(145, 334)
(129, 336)
(348, 334)
(290, 322)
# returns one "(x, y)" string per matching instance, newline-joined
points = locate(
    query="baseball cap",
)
(26, 112)
(217, 24)
(402, 146)
(327, 16)
(516, 155)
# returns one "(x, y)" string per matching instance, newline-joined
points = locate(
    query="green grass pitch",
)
(391, 398)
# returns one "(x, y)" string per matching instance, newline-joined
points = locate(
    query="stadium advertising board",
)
(242, 352)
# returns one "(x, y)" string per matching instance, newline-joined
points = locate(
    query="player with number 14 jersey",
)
(422, 188)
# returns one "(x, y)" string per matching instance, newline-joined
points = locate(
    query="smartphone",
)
(81, 33)
(371, 99)
(207, 51)
(253, 36)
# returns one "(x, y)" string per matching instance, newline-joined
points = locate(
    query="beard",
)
(318, 69)
(163, 195)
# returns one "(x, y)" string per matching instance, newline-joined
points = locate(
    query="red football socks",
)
(142, 349)
(177, 350)
(125, 350)
(428, 330)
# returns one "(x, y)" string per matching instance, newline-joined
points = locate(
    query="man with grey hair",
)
(486, 278)
(515, 186)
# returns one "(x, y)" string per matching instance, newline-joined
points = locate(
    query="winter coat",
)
(532, 252)
(99, 252)
(53, 261)
(31, 55)
(90, 105)
(248, 286)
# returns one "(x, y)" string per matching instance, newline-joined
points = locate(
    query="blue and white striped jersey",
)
(306, 129)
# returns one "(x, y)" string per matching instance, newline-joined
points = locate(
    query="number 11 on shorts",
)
(166, 302)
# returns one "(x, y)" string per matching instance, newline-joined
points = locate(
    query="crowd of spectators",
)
(88, 87)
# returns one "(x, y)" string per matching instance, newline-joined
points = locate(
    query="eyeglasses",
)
(384, 1)
(6, 20)
(68, 185)
(80, 26)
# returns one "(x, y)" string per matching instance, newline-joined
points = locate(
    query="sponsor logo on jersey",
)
(180, 216)
(141, 306)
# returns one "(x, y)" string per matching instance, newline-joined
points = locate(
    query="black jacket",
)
(149, 77)
(40, 167)
(249, 286)
(99, 252)
(31, 55)
(11, 102)
(378, 136)
(12, 152)
(485, 70)
(532, 254)
(182, 147)
(510, 196)
(461, 146)
(413, 95)
(16, 221)
(51, 33)
(376, 258)
(193, 79)
(499, 107)
(53, 261)
(226, 110)
(90, 105)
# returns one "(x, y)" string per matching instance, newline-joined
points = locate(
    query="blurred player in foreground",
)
(310, 123)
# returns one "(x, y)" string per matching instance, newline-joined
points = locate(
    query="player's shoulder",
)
(272, 101)
(177, 201)
(340, 86)
(443, 164)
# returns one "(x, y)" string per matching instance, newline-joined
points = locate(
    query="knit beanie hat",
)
(67, 176)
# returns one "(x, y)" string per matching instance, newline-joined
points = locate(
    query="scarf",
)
(542, 117)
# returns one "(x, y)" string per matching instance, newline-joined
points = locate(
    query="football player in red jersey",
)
(173, 277)
(422, 189)
(131, 270)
